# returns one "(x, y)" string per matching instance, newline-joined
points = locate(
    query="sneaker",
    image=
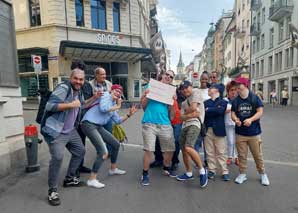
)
(241, 178)
(236, 161)
(95, 183)
(265, 180)
(73, 182)
(145, 180)
(225, 177)
(84, 169)
(155, 164)
(229, 161)
(211, 175)
(203, 179)
(169, 173)
(117, 172)
(184, 177)
(54, 199)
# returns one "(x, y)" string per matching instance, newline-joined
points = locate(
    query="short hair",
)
(97, 69)
(171, 71)
(77, 64)
(215, 73)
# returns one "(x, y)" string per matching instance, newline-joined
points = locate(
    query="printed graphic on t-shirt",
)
(245, 109)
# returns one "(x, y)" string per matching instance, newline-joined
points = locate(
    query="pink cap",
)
(241, 80)
(117, 86)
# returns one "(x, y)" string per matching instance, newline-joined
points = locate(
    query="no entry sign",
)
(195, 75)
(36, 61)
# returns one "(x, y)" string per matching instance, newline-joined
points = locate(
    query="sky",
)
(184, 25)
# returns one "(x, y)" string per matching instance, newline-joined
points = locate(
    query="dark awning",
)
(94, 51)
(33, 51)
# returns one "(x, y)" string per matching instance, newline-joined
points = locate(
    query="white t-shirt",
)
(204, 93)
(228, 118)
(196, 97)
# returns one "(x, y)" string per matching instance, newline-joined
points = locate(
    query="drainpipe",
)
(66, 20)
(129, 9)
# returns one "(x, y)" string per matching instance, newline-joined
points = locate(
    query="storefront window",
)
(80, 13)
(25, 63)
(29, 87)
(98, 14)
(136, 91)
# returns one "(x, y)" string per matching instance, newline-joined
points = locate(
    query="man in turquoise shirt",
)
(156, 123)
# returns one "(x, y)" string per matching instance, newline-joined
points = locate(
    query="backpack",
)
(42, 105)
(252, 98)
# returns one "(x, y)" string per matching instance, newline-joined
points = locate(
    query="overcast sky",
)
(185, 23)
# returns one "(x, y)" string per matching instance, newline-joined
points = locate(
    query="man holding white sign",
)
(157, 103)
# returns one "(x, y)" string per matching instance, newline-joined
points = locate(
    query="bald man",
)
(58, 127)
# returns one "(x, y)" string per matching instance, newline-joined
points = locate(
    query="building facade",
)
(114, 34)
(12, 146)
(274, 59)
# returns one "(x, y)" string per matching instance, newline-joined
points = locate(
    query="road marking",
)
(250, 159)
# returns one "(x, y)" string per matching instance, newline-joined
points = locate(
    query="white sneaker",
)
(241, 178)
(265, 180)
(117, 172)
(95, 183)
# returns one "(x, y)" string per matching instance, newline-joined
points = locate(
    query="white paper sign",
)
(161, 92)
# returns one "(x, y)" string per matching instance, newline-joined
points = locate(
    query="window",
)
(262, 68)
(254, 46)
(279, 61)
(288, 22)
(259, 17)
(25, 63)
(258, 43)
(80, 13)
(271, 38)
(270, 63)
(276, 62)
(280, 31)
(289, 57)
(136, 90)
(253, 70)
(116, 16)
(262, 41)
(34, 11)
(98, 14)
(257, 69)
(263, 15)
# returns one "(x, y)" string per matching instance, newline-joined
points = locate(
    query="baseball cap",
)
(241, 80)
(215, 86)
(185, 84)
(117, 86)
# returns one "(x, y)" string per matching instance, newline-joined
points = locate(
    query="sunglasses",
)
(213, 77)
(169, 75)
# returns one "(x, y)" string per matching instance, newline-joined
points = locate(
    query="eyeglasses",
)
(213, 77)
(169, 75)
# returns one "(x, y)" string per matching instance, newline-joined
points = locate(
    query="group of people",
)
(199, 118)
(203, 118)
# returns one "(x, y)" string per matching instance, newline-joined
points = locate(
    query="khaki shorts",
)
(163, 132)
(189, 136)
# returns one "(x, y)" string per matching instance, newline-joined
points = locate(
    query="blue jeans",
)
(200, 143)
(109, 127)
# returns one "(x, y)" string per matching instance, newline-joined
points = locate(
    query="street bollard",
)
(31, 142)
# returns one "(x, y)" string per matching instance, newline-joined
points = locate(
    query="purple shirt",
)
(70, 118)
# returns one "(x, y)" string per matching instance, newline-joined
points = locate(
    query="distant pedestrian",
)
(284, 96)
(273, 97)
(259, 93)
(215, 109)
(247, 109)
(230, 124)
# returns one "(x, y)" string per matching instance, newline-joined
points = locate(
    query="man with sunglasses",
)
(156, 123)
(214, 80)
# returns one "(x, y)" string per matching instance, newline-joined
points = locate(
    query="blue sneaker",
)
(145, 180)
(226, 177)
(211, 175)
(169, 173)
(184, 177)
(203, 179)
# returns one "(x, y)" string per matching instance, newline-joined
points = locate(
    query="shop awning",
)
(92, 51)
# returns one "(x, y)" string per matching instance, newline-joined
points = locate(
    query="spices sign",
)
(108, 39)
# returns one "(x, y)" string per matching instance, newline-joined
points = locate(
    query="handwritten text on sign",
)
(161, 92)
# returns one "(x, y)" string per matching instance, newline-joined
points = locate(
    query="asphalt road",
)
(124, 194)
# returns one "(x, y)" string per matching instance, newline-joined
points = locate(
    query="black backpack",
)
(42, 105)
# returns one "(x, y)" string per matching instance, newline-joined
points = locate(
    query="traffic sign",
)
(195, 75)
(37, 64)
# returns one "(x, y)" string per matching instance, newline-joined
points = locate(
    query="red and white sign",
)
(36, 61)
(195, 75)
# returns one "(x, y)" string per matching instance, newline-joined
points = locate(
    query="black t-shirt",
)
(246, 108)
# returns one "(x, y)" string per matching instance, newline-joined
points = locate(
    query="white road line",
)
(250, 159)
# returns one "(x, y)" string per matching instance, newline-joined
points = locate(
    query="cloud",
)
(178, 36)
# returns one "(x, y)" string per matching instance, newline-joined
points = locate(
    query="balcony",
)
(280, 9)
(239, 33)
(256, 4)
(255, 29)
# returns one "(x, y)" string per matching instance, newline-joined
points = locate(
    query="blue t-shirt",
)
(244, 109)
(156, 113)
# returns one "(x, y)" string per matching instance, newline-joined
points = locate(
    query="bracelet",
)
(128, 115)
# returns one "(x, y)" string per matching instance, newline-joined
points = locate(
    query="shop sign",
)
(108, 39)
